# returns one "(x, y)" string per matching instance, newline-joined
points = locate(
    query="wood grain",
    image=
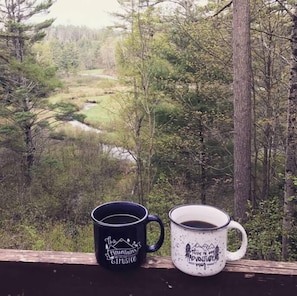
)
(31, 273)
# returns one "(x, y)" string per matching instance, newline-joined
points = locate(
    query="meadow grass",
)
(92, 72)
(105, 110)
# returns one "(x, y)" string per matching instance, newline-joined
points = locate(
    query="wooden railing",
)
(30, 273)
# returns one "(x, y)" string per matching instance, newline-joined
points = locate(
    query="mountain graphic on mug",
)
(204, 253)
(120, 248)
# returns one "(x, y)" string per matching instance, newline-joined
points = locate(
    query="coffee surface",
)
(198, 224)
(120, 219)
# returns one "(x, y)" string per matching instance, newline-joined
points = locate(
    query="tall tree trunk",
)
(268, 132)
(141, 59)
(29, 155)
(19, 48)
(254, 172)
(202, 167)
(139, 148)
(242, 106)
(289, 220)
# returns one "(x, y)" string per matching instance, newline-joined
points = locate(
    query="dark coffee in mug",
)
(198, 224)
(120, 235)
(120, 219)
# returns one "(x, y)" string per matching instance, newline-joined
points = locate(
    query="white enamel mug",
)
(200, 249)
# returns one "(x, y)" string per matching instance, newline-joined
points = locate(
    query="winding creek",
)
(115, 152)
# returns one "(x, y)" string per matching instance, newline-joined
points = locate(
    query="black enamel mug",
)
(120, 235)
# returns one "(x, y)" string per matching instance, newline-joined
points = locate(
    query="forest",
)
(149, 110)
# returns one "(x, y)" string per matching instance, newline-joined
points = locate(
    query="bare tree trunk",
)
(289, 220)
(242, 106)
(254, 173)
(139, 148)
(144, 99)
(202, 167)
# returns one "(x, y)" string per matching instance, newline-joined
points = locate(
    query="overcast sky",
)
(91, 13)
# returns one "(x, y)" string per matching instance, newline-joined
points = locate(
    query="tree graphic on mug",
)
(217, 251)
(188, 250)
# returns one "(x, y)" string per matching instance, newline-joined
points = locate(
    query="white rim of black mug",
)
(202, 228)
(123, 224)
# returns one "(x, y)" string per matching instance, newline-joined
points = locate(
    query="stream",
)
(112, 151)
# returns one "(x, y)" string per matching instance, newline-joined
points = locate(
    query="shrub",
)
(264, 229)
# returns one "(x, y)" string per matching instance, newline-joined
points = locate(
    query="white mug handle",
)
(231, 256)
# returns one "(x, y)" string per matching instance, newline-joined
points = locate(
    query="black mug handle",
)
(157, 246)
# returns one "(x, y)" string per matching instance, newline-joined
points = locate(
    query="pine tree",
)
(24, 83)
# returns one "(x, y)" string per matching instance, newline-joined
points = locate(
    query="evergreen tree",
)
(24, 83)
(194, 130)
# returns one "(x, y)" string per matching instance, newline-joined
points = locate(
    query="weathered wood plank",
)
(30, 273)
(243, 266)
(8, 255)
(265, 267)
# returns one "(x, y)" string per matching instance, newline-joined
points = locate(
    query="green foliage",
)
(71, 178)
(104, 113)
(79, 117)
(69, 237)
(175, 107)
(264, 228)
(44, 76)
(165, 195)
(7, 129)
(192, 127)
(64, 111)
(26, 236)
(24, 82)
(60, 236)
(74, 48)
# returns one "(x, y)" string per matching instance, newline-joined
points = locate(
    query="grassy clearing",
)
(79, 89)
(104, 112)
(92, 72)
(83, 90)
